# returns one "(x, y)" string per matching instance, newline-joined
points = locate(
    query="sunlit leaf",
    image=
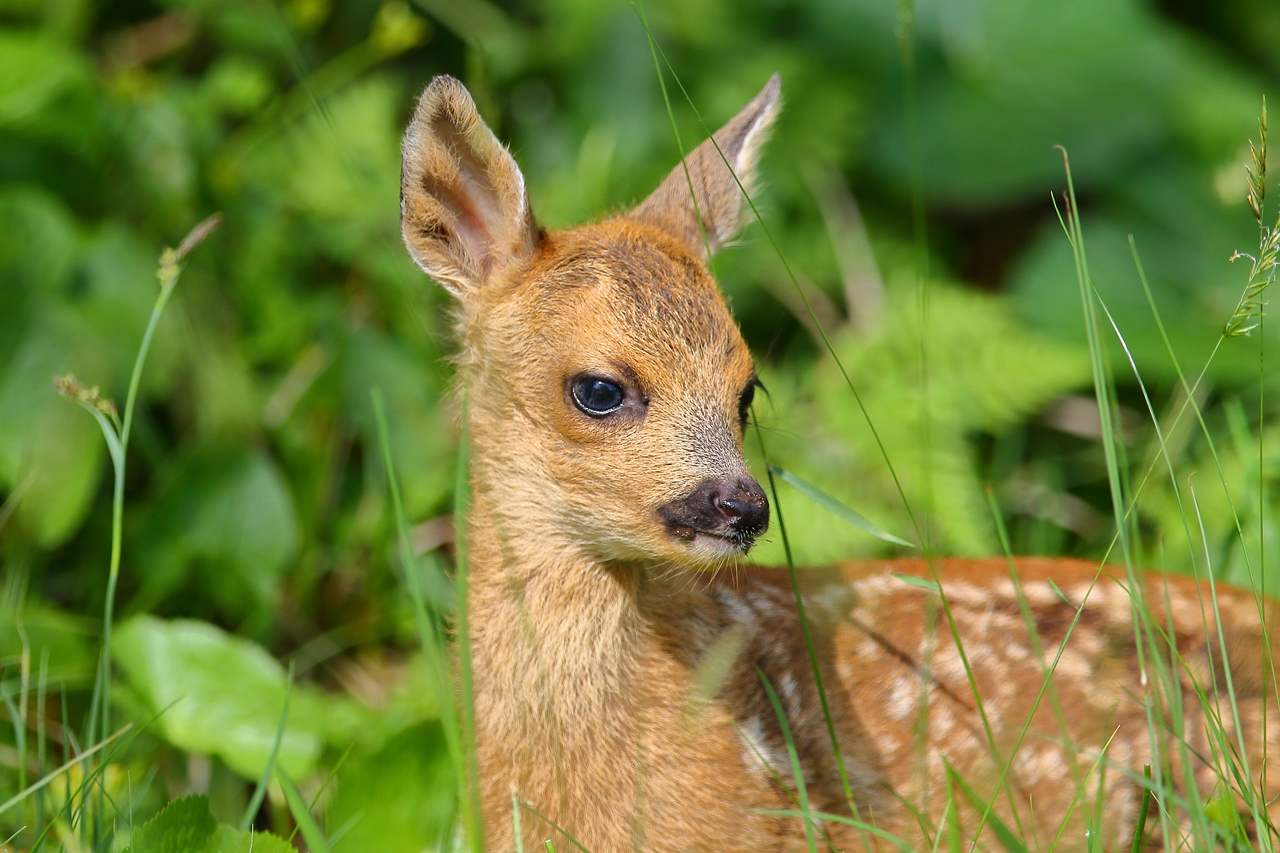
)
(187, 826)
(223, 694)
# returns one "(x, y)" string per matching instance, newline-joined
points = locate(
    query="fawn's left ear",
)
(464, 213)
(719, 198)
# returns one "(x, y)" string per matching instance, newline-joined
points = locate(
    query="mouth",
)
(732, 540)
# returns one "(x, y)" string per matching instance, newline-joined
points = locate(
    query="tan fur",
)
(617, 686)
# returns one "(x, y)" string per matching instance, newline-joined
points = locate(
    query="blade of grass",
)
(430, 633)
(807, 815)
(805, 631)
(919, 583)
(51, 776)
(1007, 838)
(471, 779)
(1237, 754)
(834, 506)
(346, 827)
(1033, 632)
(41, 743)
(516, 831)
(15, 497)
(955, 838)
(905, 34)
(95, 770)
(117, 437)
(1104, 391)
(260, 790)
(1259, 585)
(557, 827)
(797, 771)
(1075, 800)
(777, 777)
(316, 842)
(332, 774)
(1097, 359)
(1140, 828)
(1144, 625)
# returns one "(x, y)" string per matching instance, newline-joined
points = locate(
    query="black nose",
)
(734, 509)
(741, 504)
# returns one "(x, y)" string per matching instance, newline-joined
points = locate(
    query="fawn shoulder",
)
(627, 660)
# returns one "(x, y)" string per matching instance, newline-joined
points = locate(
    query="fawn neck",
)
(550, 616)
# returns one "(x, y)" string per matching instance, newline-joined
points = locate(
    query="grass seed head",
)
(73, 389)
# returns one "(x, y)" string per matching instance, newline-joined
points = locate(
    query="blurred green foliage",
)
(187, 825)
(256, 500)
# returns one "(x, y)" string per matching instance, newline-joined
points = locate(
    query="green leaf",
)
(34, 70)
(187, 826)
(1093, 75)
(829, 503)
(37, 255)
(46, 438)
(223, 694)
(67, 642)
(227, 839)
(229, 509)
(397, 799)
(420, 444)
(1062, 595)
(912, 580)
(183, 826)
(1221, 811)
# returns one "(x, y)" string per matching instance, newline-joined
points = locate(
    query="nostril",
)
(731, 508)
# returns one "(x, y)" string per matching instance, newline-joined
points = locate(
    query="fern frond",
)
(988, 373)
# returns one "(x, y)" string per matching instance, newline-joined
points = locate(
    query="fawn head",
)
(607, 383)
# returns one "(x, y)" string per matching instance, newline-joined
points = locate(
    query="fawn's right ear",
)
(464, 213)
(701, 201)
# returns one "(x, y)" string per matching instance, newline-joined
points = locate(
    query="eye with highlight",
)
(597, 396)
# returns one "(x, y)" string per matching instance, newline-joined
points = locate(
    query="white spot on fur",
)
(902, 698)
(787, 687)
(757, 747)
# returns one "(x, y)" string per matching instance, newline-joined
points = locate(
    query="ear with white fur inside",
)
(464, 212)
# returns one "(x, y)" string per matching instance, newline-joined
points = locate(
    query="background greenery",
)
(257, 526)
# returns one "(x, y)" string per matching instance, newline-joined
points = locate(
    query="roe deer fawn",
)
(619, 643)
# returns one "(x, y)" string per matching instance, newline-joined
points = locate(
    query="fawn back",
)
(621, 647)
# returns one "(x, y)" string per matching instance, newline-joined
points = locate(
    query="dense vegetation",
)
(259, 534)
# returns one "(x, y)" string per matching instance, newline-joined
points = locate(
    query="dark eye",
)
(596, 397)
(744, 404)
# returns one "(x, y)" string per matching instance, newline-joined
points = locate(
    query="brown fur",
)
(616, 667)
